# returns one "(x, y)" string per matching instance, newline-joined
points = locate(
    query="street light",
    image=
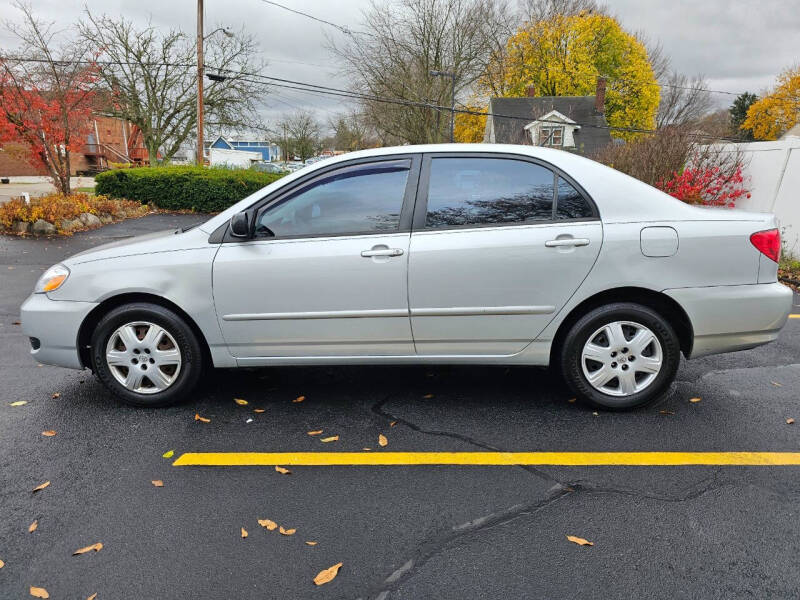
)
(452, 77)
(200, 39)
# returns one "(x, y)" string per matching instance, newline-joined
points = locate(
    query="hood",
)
(159, 241)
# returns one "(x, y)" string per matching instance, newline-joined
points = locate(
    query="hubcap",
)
(621, 358)
(143, 357)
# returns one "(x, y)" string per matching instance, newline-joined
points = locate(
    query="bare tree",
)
(351, 132)
(150, 77)
(301, 134)
(684, 100)
(407, 39)
(544, 10)
(46, 96)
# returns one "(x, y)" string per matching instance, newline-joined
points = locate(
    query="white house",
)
(233, 158)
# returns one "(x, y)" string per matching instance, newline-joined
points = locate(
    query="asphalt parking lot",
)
(402, 531)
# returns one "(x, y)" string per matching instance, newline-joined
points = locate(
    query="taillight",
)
(768, 242)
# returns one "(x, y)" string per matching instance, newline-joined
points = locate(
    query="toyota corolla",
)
(478, 254)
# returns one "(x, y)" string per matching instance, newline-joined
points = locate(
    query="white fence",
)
(773, 171)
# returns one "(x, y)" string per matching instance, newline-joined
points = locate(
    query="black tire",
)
(191, 354)
(578, 336)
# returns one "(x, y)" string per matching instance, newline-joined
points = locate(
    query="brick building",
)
(109, 140)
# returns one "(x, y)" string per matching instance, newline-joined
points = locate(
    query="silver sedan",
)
(487, 254)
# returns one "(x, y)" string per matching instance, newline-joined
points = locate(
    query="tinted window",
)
(358, 199)
(571, 204)
(479, 191)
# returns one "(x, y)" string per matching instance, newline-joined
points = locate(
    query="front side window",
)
(488, 191)
(364, 198)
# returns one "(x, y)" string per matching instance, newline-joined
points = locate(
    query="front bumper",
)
(55, 323)
(734, 317)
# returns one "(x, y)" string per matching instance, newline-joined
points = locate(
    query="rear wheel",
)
(620, 355)
(146, 355)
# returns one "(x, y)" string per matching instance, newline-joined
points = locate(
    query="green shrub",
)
(182, 188)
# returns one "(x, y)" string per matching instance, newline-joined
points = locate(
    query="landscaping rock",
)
(105, 219)
(20, 227)
(42, 227)
(71, 225)
(90, 220)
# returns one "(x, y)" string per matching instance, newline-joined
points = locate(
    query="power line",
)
(341, 28)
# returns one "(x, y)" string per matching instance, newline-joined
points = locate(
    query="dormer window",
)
(551, 135)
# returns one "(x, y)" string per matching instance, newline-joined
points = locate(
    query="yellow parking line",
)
(583, 459)
(794, 316)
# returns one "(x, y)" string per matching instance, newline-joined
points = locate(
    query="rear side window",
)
(487, 191)
(571, 203)
(364, 198)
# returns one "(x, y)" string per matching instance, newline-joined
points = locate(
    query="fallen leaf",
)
(96, 547)
(571, 400)
(240, 401)
(367, 449)
(56, 396)
(327, 575)
(315, 432)
(299, 399)
(333, 438)
(311, 543)
(157, 483)
(282, 470)
(775, 383)
(270, 525)
(789, 421)
(197, 417)
(16, 323)
(2, 564)
(19, 403)
(286, 531)
(695, 399)
(259, 410)
(168, 454)
(382, 441)
(41, 486)
(250, 420)
(244, 532)
(48, 433)
(428, 396)
(92, 597)
(393, 423)
(37, 592)
(32, 527)
(666, 412)
(579, 541)
(596, 414)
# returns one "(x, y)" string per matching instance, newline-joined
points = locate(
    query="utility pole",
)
(452, 77)
(200, 160)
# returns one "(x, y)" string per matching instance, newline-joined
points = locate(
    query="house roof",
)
(511, 115)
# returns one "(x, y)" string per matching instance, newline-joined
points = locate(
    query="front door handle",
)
(567, 242)
(382, 252)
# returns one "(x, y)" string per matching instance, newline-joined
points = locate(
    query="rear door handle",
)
(567, 242)
(382, 252)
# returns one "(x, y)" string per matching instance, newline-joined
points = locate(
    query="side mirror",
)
(240, 227)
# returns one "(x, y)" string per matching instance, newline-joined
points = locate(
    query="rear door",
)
(499, 244)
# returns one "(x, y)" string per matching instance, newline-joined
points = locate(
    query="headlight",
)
(52, 279)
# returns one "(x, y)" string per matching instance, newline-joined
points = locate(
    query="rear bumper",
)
(55, 323)
(734, 317)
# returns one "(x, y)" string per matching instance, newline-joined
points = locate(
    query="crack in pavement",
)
(560, 489)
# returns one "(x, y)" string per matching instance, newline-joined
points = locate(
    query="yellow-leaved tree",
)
(564, 56)
(470, 125)
(779, 111)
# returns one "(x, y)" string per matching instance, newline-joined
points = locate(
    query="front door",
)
(500, 243)
(326, 273)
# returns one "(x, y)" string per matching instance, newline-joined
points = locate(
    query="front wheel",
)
(620, 355)
(146, 355)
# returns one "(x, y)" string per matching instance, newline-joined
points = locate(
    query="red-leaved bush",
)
(708, 186)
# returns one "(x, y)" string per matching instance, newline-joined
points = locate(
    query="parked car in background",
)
(266, 167)
(459, 254)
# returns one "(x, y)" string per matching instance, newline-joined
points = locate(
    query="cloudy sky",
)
(737, 44)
